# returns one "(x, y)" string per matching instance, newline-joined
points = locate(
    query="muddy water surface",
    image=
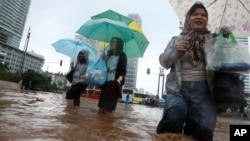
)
(23, 118)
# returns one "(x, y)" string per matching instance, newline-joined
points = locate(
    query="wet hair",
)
(85, 60)
(119, 45)
(196, 6)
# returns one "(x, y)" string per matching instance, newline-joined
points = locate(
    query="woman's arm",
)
(170, 54)
(121, 69)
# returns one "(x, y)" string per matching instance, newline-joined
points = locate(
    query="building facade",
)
(244, 41)
(131, 76)
(13, 15)
(16, 61)
(12, 21)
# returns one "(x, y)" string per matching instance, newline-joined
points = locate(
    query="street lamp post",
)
(161, 74)
(25, 50)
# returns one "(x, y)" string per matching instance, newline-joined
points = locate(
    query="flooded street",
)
(23, 118)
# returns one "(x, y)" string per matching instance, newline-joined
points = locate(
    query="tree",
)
(3, 67)
(36, 81)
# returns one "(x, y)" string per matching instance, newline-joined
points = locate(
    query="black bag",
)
(69, 75)
(228, 89)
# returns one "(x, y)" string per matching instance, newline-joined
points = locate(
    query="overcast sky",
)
(51, 20)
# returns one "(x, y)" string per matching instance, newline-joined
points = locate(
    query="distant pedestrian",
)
(242, 109)
(127, 99)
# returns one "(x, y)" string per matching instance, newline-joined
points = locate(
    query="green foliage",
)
(234, 108)
(60, 83)
(3, 67)
(36, 81)
(66, 88)
(30, 79)
(8, 76)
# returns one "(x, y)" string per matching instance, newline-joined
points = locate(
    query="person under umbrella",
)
(135, 43)
(71, 47)
(135, 47)
(79, 76)
(190, 108)
(116, 61)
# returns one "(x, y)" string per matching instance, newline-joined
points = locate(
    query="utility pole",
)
(25, 50)
(161, 74)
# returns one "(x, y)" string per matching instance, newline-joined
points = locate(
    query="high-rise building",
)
(12, 20)
(245, 43)
(13, 15)
(131, 76)
(132, 65)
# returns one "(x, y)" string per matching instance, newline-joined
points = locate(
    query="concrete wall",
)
(10, 85)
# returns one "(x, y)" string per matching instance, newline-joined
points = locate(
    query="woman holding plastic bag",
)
(116, 62)
(189, 108)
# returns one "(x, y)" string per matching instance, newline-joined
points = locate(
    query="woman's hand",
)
(182, 45)
(72, 64)
(84, 77)
(225, 33)
(119, 80)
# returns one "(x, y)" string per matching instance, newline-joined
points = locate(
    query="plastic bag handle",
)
(231, 35)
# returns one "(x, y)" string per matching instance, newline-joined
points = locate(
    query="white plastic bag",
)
(225, 54)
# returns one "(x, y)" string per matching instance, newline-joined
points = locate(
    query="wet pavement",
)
(39, 116)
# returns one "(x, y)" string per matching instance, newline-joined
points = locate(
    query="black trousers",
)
(242, 107)
(75, 92)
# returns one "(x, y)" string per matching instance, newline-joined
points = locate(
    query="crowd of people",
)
(190, 108)
(116, 63)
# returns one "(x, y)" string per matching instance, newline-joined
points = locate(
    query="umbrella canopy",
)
(235, 14)
(71, 47)
(113, 15)
(104, 29)
(135, 47)
(138, 45)
(135, 26)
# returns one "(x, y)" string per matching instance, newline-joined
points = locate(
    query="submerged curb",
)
(10, 85)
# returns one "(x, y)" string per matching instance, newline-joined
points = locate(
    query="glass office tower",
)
(244, 41)
(13, 15)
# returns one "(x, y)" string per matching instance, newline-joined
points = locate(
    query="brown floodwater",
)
(24, 118)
